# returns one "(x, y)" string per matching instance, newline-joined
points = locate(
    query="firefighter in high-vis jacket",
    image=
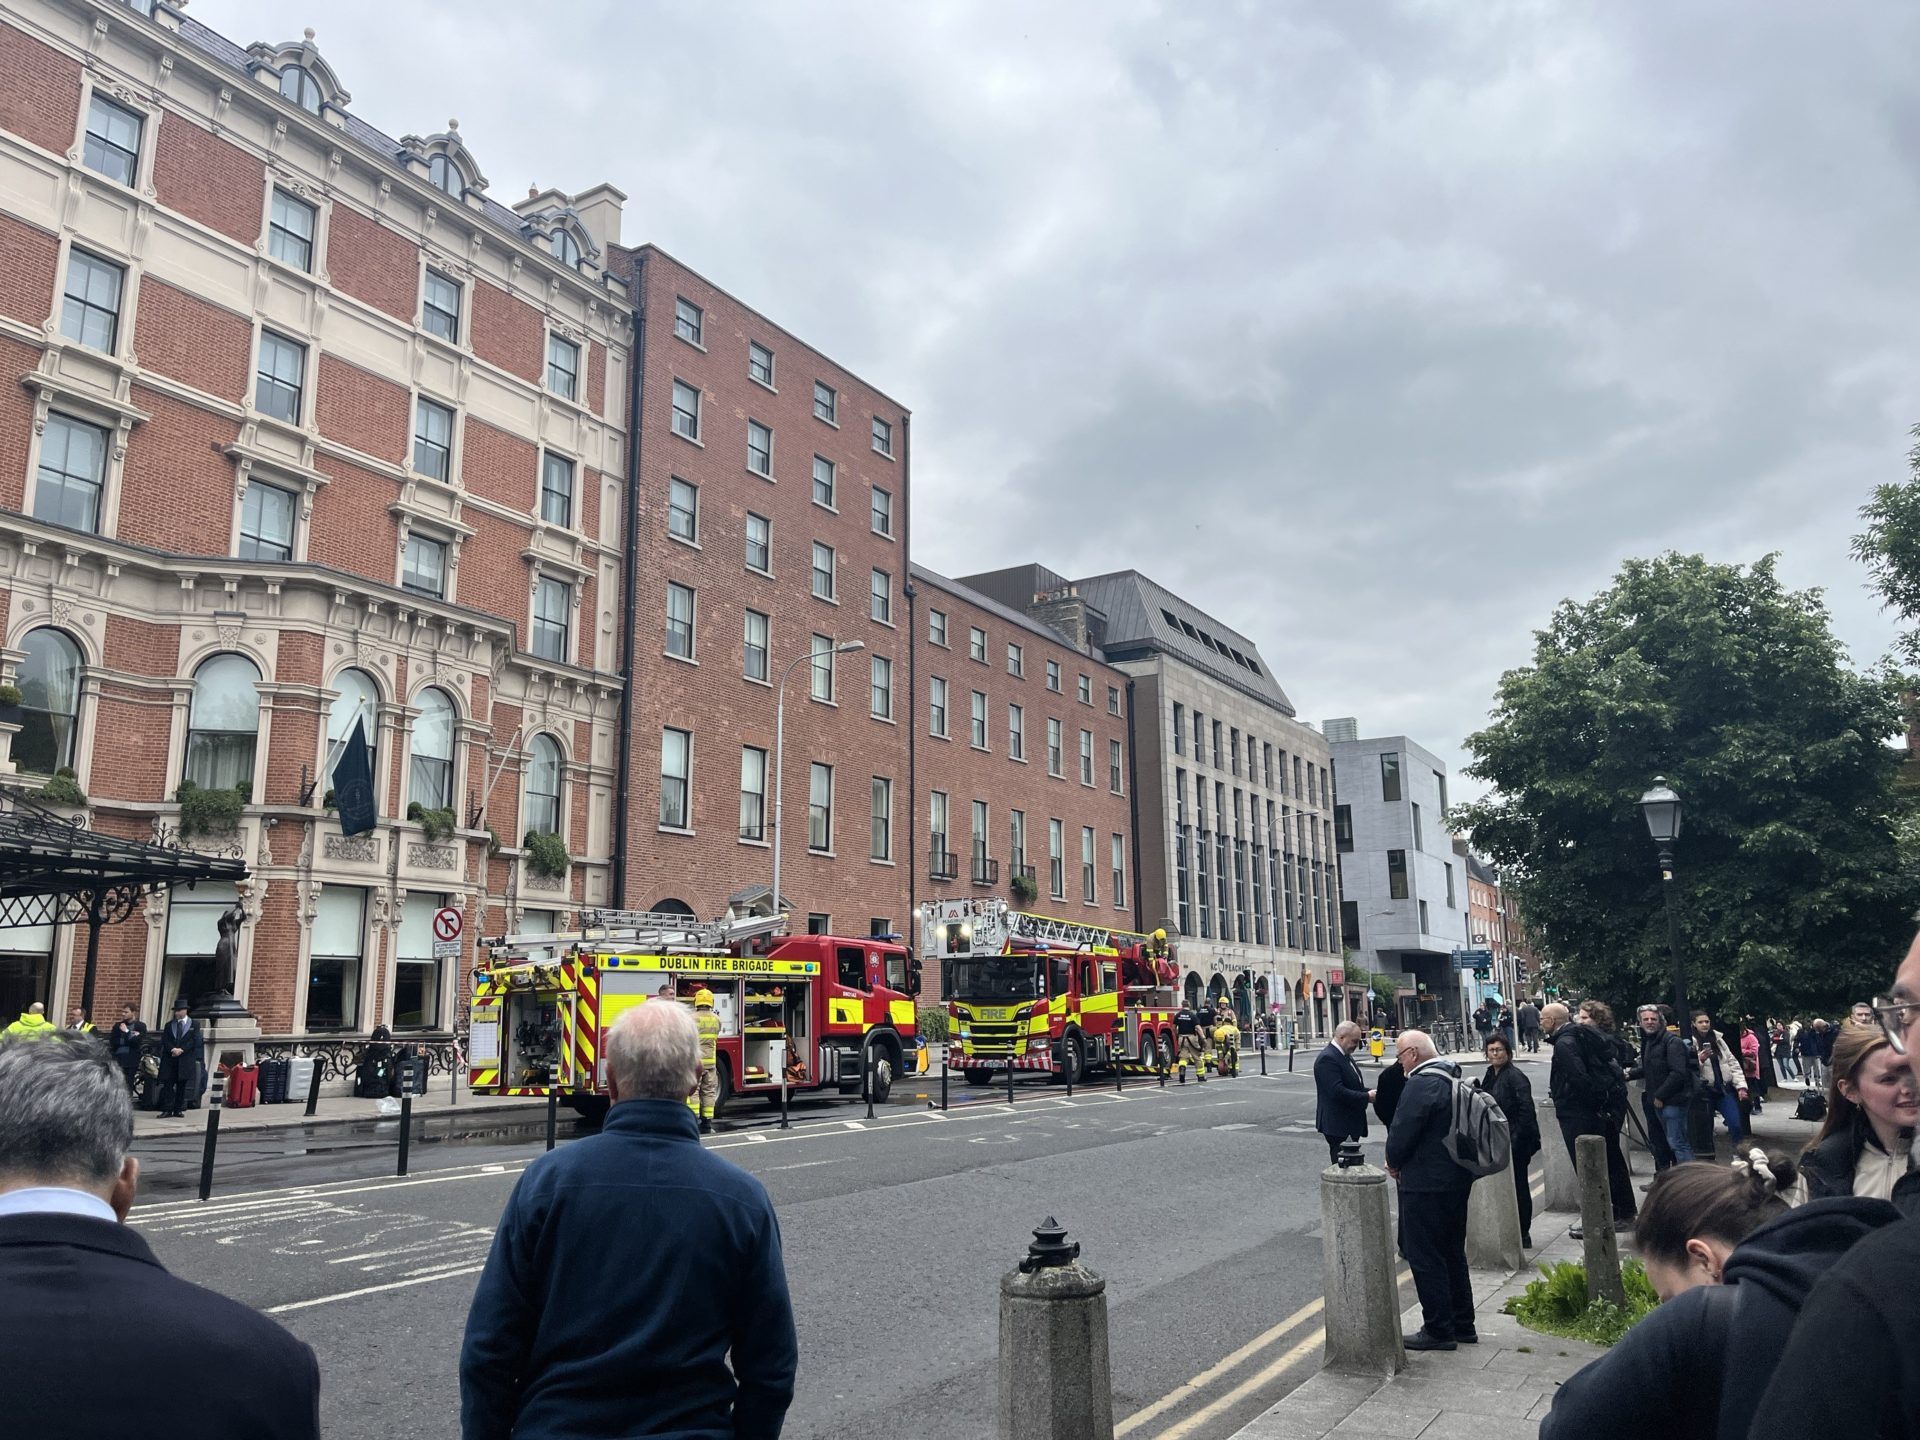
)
(708, 1024)
(1189, 1028)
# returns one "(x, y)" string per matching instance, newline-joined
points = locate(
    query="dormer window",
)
(565, 248)
(445, 175)
(297, 85)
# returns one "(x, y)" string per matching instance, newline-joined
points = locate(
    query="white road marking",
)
(1236, 1125)
(370, 1290)
(809, 1164)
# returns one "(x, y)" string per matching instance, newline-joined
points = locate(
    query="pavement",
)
(334, 1111)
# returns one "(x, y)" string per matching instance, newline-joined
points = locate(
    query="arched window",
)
(565, 248)
(223, 724)
(445, 175)
(431, 785)
(543, 787)
(301, 88)
(49, 699)
(358, 700)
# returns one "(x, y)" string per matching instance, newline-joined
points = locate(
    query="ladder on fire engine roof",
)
(655, 932)
(1026, 926)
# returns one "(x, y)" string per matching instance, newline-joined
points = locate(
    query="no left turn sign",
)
(447, 923)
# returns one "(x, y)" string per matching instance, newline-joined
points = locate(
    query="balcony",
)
(986, 871)
(942, 864)
(1023, 871)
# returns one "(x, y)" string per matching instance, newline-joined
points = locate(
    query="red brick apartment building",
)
(300, 428)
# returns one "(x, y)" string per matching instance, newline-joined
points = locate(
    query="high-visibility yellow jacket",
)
(31, 1027)
(709, 1027)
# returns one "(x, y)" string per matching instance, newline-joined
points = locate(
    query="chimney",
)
(599, 211)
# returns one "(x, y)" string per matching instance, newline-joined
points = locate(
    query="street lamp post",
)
(1661, 807)
(779, 751)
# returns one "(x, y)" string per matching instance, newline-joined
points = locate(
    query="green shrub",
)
(1557, 1303)
(493, 842)
(9, 695)
(437, 823)
(546, 855)
(63, 788)
(933, 1024)
(210, 812)
(1024, 888)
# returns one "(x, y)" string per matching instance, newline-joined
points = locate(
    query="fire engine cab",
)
(810, 1008)
(1035, 993)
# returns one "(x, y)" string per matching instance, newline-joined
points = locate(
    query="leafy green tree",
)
(1789, 891)
(1890, 549)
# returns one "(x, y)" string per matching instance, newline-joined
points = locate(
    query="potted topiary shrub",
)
(210, 812)
(63, 788)
(1025, 890)
(437, 823)
(546, 855)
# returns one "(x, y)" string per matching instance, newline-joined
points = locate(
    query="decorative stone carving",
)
(431, 857)
(545, 882)
(364, 849)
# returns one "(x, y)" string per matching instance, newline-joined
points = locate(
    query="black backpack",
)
(1811, 1105)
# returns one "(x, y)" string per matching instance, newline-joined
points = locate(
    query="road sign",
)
(447, 924)
(1471, 959)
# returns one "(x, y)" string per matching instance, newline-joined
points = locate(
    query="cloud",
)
(1374, 329)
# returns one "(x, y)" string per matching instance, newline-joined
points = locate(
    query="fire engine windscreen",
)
(998, 978)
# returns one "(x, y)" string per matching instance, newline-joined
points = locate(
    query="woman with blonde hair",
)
(1872, 1107)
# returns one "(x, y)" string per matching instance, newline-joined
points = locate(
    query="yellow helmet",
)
(1160, 935)
(703, 999)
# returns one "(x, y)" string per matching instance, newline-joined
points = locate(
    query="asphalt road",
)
(1199, 1204)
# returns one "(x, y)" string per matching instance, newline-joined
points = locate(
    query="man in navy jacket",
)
(636, 1285)
(1341, 1114)
(1433, 1197)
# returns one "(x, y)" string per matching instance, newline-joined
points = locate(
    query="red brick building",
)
(301, 430)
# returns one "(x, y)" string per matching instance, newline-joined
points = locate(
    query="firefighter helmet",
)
(703, 999)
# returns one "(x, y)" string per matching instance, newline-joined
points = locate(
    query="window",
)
(552, 619)
(676, 773)
(687, 321)
(981, 875)
(820, 807)
(1199, 738)
(440, 308)
(565, 248)
(1053, 747)
(1053, 676)
(556, 489)
(563, 368)
(1056, 864)
(1233, 748)
(880, 844)
(1425, 925)
(1113, 699)
(1397, 874)
(423, 567)
(1266, 763)
(301, 88)
(1016, 660)
(759, 543)
(443, 174)
(1117, 854)
(432, 439)
(882, 437)
(820, 668)
(760, 363)
(680, 620)
(976, 644)
(1179, 729)
(282, 374)
(1450, 902)
(1086, 690)
(223, 720)
(73, 470)
(430, 770)
(1017, 835)
(290, 227)
(826, 404)
(543, 786)
(113, 140)
(1113, 766)
(90, 308)
(823, 482)
(754, 652)
(937, 706)
(1086, 865)
(759, 448)
(978, 722)
(686, 410)
(1086, 757)
(333, 969)
(356, 702)
(266, 523)
(822, 571)
(416, 974)
(818, 924)
(881, 606)
(1440, 782)
(49, 681)
(937, 825)
(1389, 775)
(882, 512)
(1219, 749)
(753, 793)
(1416, 827)
(1016, 733)
(881, 703)
(683, 510)
(1343, 829)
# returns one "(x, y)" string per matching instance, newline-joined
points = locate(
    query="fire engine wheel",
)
(1149, 1052)
(723, 1086)
(1166, 1051)
(1073, 1060)
(978, 1077)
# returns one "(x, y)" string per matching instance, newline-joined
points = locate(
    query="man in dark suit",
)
(182, 1048)
(1341, 1114)
(69, 1267)
(1433, 1197)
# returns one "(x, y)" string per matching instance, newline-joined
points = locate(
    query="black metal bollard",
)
(1069, 1078)
(313, 1090)
(866, 1080)
(1163, 1066)
(785, 1093)
(1289, 1057)
(1263, 1060)
(1119, 1073)
(553, 1115)
(945, 1051)
(1009, 1080)
(406, 1131)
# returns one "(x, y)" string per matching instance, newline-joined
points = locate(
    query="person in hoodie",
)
(1579, 1084)
(1872, 1106)
(1732, 1263)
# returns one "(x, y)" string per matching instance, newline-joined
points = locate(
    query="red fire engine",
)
(810, 1007)
(1036, 993)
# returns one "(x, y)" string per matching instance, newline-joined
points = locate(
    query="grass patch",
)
(1557, 1304)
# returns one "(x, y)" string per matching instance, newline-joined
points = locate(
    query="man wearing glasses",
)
(1854, 1356)
(1433, 1197)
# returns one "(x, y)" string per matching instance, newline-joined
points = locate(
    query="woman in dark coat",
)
(1387, 1086)
(372, 1074)
(1513, 1093)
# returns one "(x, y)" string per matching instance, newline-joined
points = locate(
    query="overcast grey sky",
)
(1373, 329)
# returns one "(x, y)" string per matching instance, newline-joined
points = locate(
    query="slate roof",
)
(1144, 615)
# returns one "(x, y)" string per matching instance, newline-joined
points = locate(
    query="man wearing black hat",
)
(182, 1048)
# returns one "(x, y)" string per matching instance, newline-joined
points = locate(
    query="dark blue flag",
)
(353, 785)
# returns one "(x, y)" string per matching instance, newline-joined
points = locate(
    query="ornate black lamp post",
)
(1661, 806)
